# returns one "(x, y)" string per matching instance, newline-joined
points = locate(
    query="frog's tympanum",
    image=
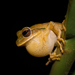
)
(40, 39)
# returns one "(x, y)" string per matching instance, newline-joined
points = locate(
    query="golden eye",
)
(26, 32)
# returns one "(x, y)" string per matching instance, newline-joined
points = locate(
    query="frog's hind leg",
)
(53, 56)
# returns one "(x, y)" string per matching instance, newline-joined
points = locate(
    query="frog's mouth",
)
(20, 41)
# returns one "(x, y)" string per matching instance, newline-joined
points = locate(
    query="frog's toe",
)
(56, 59)
(53, 57)
(47, 62)
(60, 39)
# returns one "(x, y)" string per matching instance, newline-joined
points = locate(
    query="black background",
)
(28, 14)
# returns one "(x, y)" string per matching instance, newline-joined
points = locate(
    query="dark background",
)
(28, 14)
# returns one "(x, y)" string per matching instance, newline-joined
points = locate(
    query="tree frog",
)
(40, 39)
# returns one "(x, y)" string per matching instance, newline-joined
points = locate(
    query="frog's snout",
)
(19, 37)
(19, 33)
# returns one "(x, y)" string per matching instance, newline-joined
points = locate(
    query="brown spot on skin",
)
(43, 38)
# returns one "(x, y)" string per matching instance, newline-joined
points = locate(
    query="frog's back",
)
(44, 25)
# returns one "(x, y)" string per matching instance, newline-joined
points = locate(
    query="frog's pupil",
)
(25, 32)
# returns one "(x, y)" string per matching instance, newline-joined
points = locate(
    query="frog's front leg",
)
(60, 39)
(58, 31)
(53, 56)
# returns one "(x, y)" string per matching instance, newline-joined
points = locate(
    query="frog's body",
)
(40, 39)
(42, 43)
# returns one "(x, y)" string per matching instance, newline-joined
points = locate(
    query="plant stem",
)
(63, 66)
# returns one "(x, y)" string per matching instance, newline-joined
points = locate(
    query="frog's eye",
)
(26, 32)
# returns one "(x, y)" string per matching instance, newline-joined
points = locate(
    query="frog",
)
(40, 40)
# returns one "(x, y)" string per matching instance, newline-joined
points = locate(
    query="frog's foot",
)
(60, 46)
(60, 39)
(53, 57)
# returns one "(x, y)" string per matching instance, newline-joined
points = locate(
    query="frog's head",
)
(25, 35)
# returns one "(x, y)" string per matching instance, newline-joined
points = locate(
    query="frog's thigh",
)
(53, 56)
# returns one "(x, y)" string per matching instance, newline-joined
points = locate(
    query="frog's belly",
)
(41, 46)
